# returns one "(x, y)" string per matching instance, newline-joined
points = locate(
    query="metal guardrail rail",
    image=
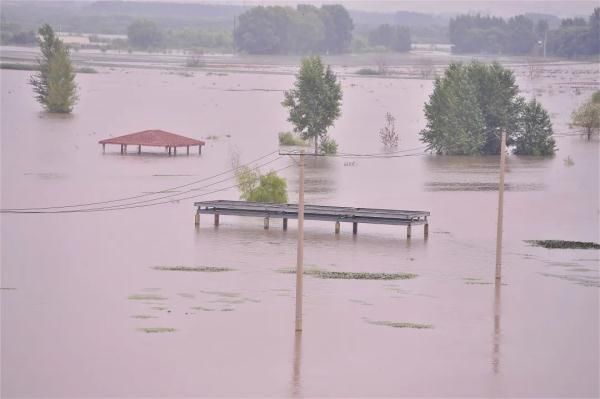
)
(336, 214)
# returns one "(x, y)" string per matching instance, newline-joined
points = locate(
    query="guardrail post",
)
(337, 227)
(408, 231)
(284, 223)
(266, 223)
(216, 219)
(354, 228)
(197, 218)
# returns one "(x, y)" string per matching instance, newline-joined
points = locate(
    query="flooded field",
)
(139, 303)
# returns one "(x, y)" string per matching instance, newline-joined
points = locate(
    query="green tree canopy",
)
(315, 100)
(470, 106)
(54, 85)
(534, 136)
(144, 33)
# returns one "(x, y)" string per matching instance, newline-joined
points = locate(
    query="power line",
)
(123, 207)
(5, 210)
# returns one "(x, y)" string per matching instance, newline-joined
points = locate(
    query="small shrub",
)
(367, 71)
(195, 62)
(289, 138)
(328, 145)
(388, 134)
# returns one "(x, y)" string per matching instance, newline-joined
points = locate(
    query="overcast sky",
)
(562, 8)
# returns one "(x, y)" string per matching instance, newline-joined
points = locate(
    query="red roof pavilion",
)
(154, 138)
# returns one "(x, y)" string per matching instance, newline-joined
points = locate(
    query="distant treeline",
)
(301, 30)
(520, 35)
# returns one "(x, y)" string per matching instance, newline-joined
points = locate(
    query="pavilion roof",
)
(155, 138)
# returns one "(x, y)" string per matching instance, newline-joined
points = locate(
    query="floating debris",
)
(353, 275)
(154, 330)
(207, 269)
(397, 324)
(562, 244)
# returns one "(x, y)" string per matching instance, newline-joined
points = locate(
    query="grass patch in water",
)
(562, 244)
(156, 330)
(352, 275)
(222, 294)
(143, 316)
(397, 324)
(205, 269)
(146, 297)
(202, 308)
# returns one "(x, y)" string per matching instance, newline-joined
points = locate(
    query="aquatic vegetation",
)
(205, 269)
(396, 324)
(202, 308)
(142, 316)
(222, 293)
(154, 330)
(563, 244)
(146, 297)
(353, 275)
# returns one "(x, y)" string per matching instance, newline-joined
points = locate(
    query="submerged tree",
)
(470, 105)
(315, 100)
(534, 136)
(587, 116)
(54, 85)
(256, 187)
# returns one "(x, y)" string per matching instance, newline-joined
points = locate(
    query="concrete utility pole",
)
(500, 206)
(300, 253)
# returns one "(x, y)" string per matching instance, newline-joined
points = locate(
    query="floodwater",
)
(79, 289)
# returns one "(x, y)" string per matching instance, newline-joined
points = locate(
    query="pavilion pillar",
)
(197, 219)
(199, 149)
(175, 150)
(122, 150)
(125, 148)
(188, 150)
(103, 148)
(139, 149)
(169, 150)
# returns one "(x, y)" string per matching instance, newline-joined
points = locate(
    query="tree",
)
(455, 123)
(145, 34)
(388, 134)
(54, 85)
(587, 116)
(315, 100)
(535, 134)
(471, 105)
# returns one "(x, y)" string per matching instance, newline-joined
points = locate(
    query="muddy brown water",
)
(74, 323)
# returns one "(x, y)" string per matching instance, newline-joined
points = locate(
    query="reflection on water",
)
(497, 332)
(297, 368)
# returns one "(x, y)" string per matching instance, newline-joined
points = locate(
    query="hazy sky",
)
(564, 8)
